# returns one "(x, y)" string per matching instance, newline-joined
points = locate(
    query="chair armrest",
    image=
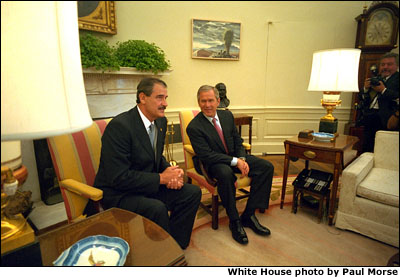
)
(82, 189)
(246, 146)
(210, 180)
(352, 176)
(189, 148)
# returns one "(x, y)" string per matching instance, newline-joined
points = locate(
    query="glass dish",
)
(95, 251)
(324, 137)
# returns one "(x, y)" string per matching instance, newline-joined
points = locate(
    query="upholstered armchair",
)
(76, 160)
(203, 180)
(369, 196)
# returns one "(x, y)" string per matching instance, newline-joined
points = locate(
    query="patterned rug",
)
(275, 199)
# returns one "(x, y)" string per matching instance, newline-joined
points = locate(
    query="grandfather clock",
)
(377, 30)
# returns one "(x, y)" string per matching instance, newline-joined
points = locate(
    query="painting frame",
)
(216, 39)
(97, 16)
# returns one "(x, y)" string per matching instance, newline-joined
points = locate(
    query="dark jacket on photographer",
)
(386, 100)
(377, 109)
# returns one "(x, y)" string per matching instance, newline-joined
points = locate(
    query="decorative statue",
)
(222, 96)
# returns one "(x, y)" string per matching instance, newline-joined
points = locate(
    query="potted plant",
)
(96, 52)
(142, 55)
(139, 54)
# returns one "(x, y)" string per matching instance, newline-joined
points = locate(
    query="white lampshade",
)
(335, 70)
(42, 90)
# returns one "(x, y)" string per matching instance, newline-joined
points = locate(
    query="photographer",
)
(378, 98)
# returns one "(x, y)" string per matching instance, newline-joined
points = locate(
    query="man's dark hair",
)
(146, 86)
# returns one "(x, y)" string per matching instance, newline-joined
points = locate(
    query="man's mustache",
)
(162, 107)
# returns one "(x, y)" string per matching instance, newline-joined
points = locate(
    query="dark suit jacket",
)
(128, 163)
(386, 101)
(207, 144)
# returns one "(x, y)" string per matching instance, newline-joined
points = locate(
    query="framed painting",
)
(216, 40)
(98, 16)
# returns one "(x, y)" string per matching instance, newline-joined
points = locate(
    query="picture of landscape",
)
(215, 39)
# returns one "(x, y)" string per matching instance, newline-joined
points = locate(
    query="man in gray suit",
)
(133, 173)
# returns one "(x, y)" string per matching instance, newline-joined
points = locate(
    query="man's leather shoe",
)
(253, 223)
(238, 232)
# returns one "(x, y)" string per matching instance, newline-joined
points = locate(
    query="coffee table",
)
(150, 245)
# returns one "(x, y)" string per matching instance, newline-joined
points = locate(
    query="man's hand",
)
(243, 167)
(380, 87)
(172, 177)
(367, 83)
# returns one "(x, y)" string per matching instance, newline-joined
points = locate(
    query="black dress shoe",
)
(238, 232)
(254, 225)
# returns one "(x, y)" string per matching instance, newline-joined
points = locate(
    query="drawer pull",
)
(310, 154)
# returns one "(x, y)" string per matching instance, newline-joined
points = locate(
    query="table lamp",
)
(42, 90)
(333, 71)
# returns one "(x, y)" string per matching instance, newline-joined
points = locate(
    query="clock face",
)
(379, 28)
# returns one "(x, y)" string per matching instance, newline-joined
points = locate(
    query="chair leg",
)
(214, 209)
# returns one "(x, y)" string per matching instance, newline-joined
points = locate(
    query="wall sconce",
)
(333, 71)
(42, 90)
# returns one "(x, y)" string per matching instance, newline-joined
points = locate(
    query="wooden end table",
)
(340, 153)
(149, 244)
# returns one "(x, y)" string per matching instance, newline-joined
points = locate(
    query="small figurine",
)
(224, 103)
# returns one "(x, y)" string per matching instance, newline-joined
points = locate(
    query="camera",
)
(375, 76)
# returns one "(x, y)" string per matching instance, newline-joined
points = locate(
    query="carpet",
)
(203, 217)
(295, 240)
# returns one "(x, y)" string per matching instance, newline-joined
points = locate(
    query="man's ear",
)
(142, 97)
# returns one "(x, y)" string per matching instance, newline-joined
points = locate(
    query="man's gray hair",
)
(207, 88)
(391, 55)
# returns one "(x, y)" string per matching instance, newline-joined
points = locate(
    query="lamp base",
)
(328, 126)
(11, 226)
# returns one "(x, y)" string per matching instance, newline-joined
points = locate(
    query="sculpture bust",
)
(224, 101)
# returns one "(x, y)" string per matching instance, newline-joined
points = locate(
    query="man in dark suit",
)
(222, 156)
(133, 173)
(380, 99)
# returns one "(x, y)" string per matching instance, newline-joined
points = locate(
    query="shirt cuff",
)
(383, 91)
(234, 161)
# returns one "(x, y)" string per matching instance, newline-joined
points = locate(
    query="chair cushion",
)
(381, 185)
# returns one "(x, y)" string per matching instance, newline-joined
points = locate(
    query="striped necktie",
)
(221, 135)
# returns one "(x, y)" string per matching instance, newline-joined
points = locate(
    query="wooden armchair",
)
(204, 180)
(76, 159)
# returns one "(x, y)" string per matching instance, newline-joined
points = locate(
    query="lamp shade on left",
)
(42, 90)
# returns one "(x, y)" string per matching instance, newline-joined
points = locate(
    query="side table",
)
(244, 119)
(340, 153)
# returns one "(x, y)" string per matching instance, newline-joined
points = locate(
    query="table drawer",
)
(312, 154)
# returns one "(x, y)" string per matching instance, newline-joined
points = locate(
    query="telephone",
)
(314, 180)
